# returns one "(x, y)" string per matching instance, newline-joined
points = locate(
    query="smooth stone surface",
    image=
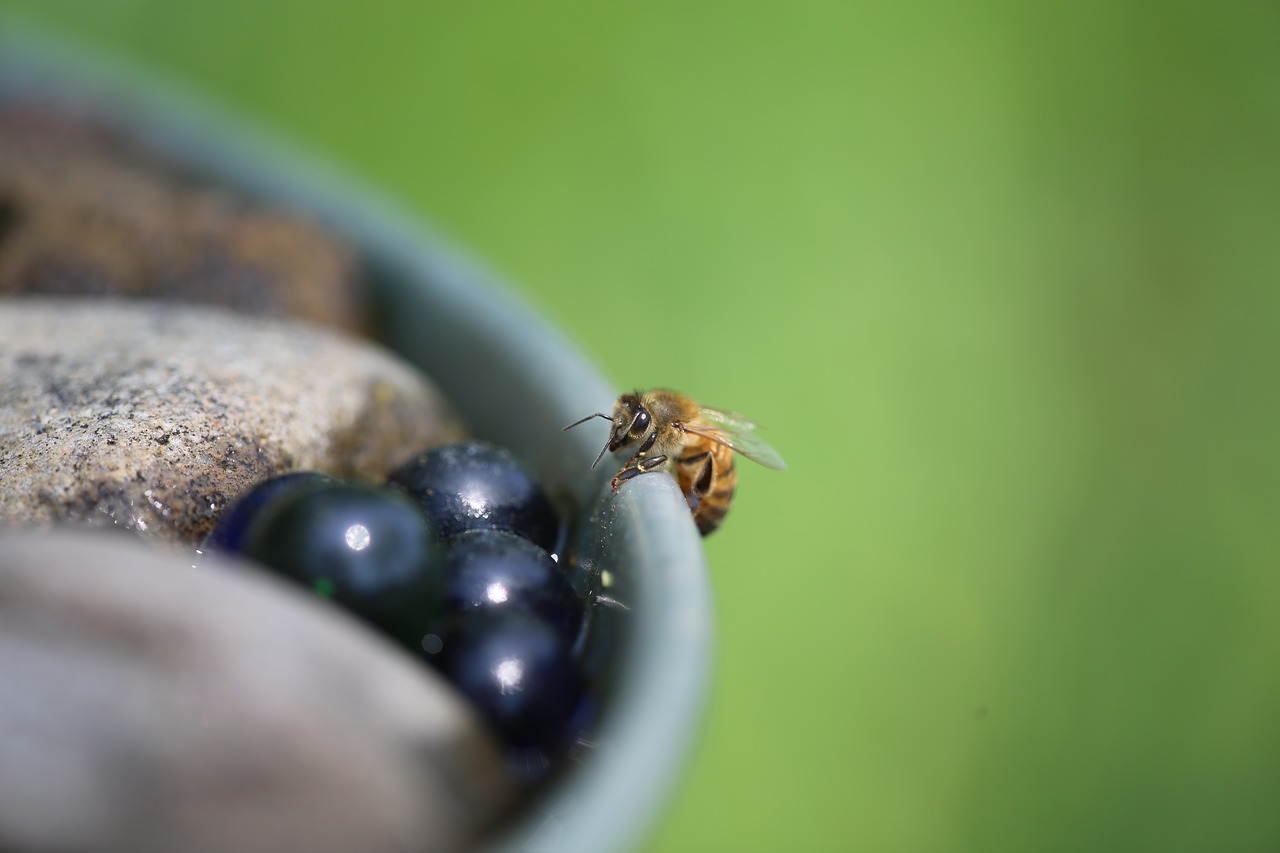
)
(154, 417)
(87, 211)
(151, 706)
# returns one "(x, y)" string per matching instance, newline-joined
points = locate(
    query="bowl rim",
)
(462, 319)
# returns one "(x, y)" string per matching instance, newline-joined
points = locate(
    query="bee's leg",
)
(694, 501)
(646, 444)
(696, 478)
(628, 471)
(638, 464)
(635, 467)
(652, 464)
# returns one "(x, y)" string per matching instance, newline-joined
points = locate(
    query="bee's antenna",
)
(601, 456)
(606, 444)
(587, 418)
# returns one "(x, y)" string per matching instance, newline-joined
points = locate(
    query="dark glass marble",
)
(496, 571)
(516, 670)
(369, 549)
(228, 534)
(476, 486)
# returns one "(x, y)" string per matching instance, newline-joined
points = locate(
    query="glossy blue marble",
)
(516, 670)
(229, 533)
(368, 549)
(476, 486)
(492, 571)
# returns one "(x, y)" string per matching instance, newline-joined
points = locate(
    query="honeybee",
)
(696, 443)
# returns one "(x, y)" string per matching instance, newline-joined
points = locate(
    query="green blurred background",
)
(1002, 280)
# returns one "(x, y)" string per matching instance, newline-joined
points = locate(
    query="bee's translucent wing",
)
(733, 430)
(728, 420)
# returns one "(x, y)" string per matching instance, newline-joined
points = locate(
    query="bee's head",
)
(631, 421)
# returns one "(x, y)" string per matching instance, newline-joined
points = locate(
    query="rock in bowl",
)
(491, 356)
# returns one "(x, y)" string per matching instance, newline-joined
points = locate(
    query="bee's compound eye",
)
(641, 423)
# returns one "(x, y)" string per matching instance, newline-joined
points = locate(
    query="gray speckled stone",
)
(147, 705)
(153, 417)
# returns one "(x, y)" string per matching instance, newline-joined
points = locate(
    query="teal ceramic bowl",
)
(492, 356)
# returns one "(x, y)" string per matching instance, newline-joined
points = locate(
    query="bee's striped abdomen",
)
(708, 479)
